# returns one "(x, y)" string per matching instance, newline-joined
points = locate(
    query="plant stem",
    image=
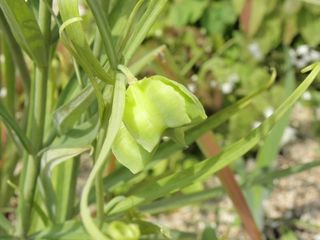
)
(35, 130)
(99, 180)
(9, 78)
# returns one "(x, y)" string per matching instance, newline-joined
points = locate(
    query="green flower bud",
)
(155, 104)
(154, 107)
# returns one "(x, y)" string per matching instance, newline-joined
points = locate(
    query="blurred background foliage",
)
(223, 50)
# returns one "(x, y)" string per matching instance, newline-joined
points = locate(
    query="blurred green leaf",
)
(5, 224)
(25, 29)
(209, 234)
(13, 126)
(67, 115)
(218, 16)
(269, 35)
(257, 13)
(81, 135)
(183, 12)
(290, 235)
(50, 159)
(309, 23)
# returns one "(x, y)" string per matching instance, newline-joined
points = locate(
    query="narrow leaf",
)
(113, 128)
(26, 30)
(11, 124)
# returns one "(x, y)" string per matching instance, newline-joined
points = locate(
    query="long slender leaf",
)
(268, 151)
(113, 127)
(266, 178)
(67, 115)
(105, 31)
(154, 9)
(69, 11)
(11, 124)
(51, 158)
(5, 224)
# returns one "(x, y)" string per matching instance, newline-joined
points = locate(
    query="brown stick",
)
(209, 147)
(245, 17)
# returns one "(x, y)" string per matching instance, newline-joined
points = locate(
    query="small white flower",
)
(192, 87)
(301, 63)
(3, 92)
(288, 135)
(307, 96)
(255, 50)
(268, 112)
(194, 78)
(303, 49)
(227, 87)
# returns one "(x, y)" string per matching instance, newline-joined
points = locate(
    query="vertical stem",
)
(210, 148)
(35, 130)
(99, 180)
(9, 78)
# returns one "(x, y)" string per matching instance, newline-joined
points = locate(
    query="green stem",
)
(9, 78)
(99, 178)
(35, 130)
(105, 31)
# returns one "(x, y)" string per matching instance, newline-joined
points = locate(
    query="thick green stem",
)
(99, 178)
(35, 130)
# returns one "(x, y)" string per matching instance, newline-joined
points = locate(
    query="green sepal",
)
(170, 103)
(193, 106)
(128, 152)
(142, 118)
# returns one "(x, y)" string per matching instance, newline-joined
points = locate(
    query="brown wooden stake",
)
(210, 148)
(245, 17)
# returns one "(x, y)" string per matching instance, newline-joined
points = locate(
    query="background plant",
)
(65, 75)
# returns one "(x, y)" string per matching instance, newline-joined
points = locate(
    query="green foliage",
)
(26, 30)
(81, 102)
